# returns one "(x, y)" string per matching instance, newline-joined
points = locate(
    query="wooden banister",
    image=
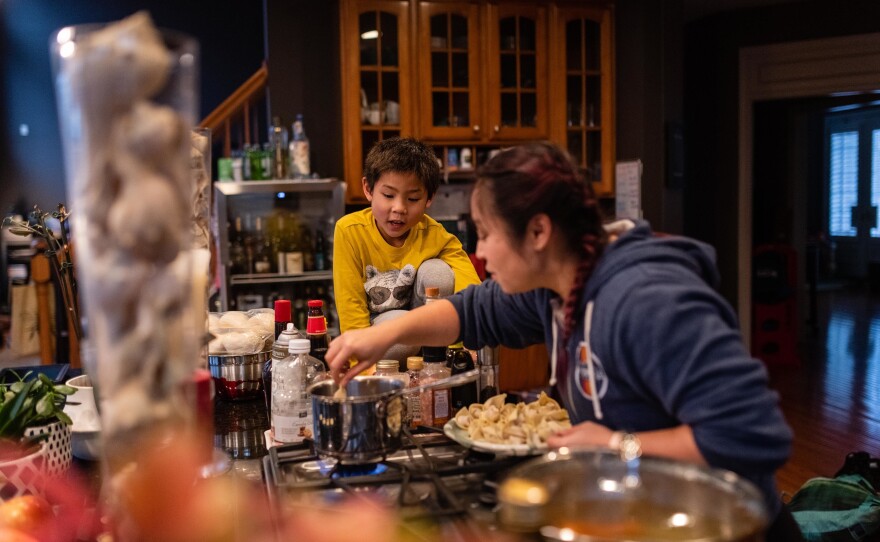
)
(238, 105)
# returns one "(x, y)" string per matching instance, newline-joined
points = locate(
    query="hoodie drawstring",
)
(553, 354)
(591, 371)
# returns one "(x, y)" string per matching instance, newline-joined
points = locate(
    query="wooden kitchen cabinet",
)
(481, 75)
(376, 80)
(582, 89)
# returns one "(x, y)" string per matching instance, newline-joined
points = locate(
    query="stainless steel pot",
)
(365, 426)
(595, 496)
(238, 377)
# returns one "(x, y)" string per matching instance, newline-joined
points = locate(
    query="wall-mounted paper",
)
(628, 189)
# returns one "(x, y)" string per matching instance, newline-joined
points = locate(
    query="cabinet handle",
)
(497, 128)
(476, 127)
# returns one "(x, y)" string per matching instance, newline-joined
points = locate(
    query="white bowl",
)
(86, 429)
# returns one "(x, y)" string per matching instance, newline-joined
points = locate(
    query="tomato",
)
(25, 513)
(14, 535)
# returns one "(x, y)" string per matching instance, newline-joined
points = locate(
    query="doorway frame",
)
(797, 69)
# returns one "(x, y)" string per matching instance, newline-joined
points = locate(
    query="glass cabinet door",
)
(449, 62)
(375, 75)
(517, 72)
(584, 98)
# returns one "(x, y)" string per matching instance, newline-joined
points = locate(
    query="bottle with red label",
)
(316, 330)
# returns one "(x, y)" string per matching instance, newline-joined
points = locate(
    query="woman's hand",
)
(582, 434)
(366, 346)
(674, 443)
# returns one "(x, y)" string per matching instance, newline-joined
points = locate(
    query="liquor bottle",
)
(305, 238)
(237, 257)
(263, 250)
(460, 361)
(299, 150)
(316, 330)
(414, 366)
(320, 261)
(266, 160)
(278, 140)
(291, 404)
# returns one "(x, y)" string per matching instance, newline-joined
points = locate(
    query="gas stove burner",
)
(431, 477)
(343, 470)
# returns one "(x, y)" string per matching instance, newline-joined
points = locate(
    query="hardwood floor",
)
(832, 398)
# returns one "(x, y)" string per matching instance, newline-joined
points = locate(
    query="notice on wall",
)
(628, 189)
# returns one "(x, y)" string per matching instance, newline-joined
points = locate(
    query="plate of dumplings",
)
(508, 429)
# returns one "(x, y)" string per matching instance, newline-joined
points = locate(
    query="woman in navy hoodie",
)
(640, 341)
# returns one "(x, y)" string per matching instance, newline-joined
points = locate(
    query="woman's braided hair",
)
(536, 178)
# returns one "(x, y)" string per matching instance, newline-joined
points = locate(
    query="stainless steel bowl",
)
(238, 377)
(595, 496)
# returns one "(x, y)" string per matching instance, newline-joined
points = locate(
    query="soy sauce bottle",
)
(316, 330)
(460, 361)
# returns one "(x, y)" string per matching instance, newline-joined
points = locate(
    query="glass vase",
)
(127, 100)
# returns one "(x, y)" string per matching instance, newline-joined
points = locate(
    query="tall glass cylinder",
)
(127, 99)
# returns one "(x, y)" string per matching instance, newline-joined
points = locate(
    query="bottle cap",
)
(282, 310)
(299, 346)
(415, 363)
(316, 303)
(432, 291)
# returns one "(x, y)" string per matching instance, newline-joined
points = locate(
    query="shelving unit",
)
(318, 203)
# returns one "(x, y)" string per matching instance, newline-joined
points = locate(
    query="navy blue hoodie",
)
(666, 350)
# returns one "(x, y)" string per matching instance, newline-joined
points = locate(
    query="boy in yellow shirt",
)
(385, 255)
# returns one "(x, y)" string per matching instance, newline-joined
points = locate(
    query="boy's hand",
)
(365, 346)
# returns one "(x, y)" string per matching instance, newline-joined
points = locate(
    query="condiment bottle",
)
(316, 330)
(460, 361)
(414, 366)
(391, 367)
(435, 403)
(279, 352)
(291, 404)
(282, 318)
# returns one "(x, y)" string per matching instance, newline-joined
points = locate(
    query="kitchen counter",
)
(239, 429)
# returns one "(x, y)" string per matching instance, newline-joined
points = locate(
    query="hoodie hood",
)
(637, 243)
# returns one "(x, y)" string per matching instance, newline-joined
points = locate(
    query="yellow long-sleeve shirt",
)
(358, 243)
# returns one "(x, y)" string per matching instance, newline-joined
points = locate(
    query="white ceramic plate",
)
(459, 435)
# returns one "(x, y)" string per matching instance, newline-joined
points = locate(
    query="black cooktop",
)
(430, 477)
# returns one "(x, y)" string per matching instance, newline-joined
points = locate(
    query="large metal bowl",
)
(595, 496)
(238, 378)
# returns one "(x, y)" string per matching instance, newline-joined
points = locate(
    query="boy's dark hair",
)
(403, 155)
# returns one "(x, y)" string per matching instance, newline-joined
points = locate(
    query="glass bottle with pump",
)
(414, 366)
(299, 150)
(291, 404)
